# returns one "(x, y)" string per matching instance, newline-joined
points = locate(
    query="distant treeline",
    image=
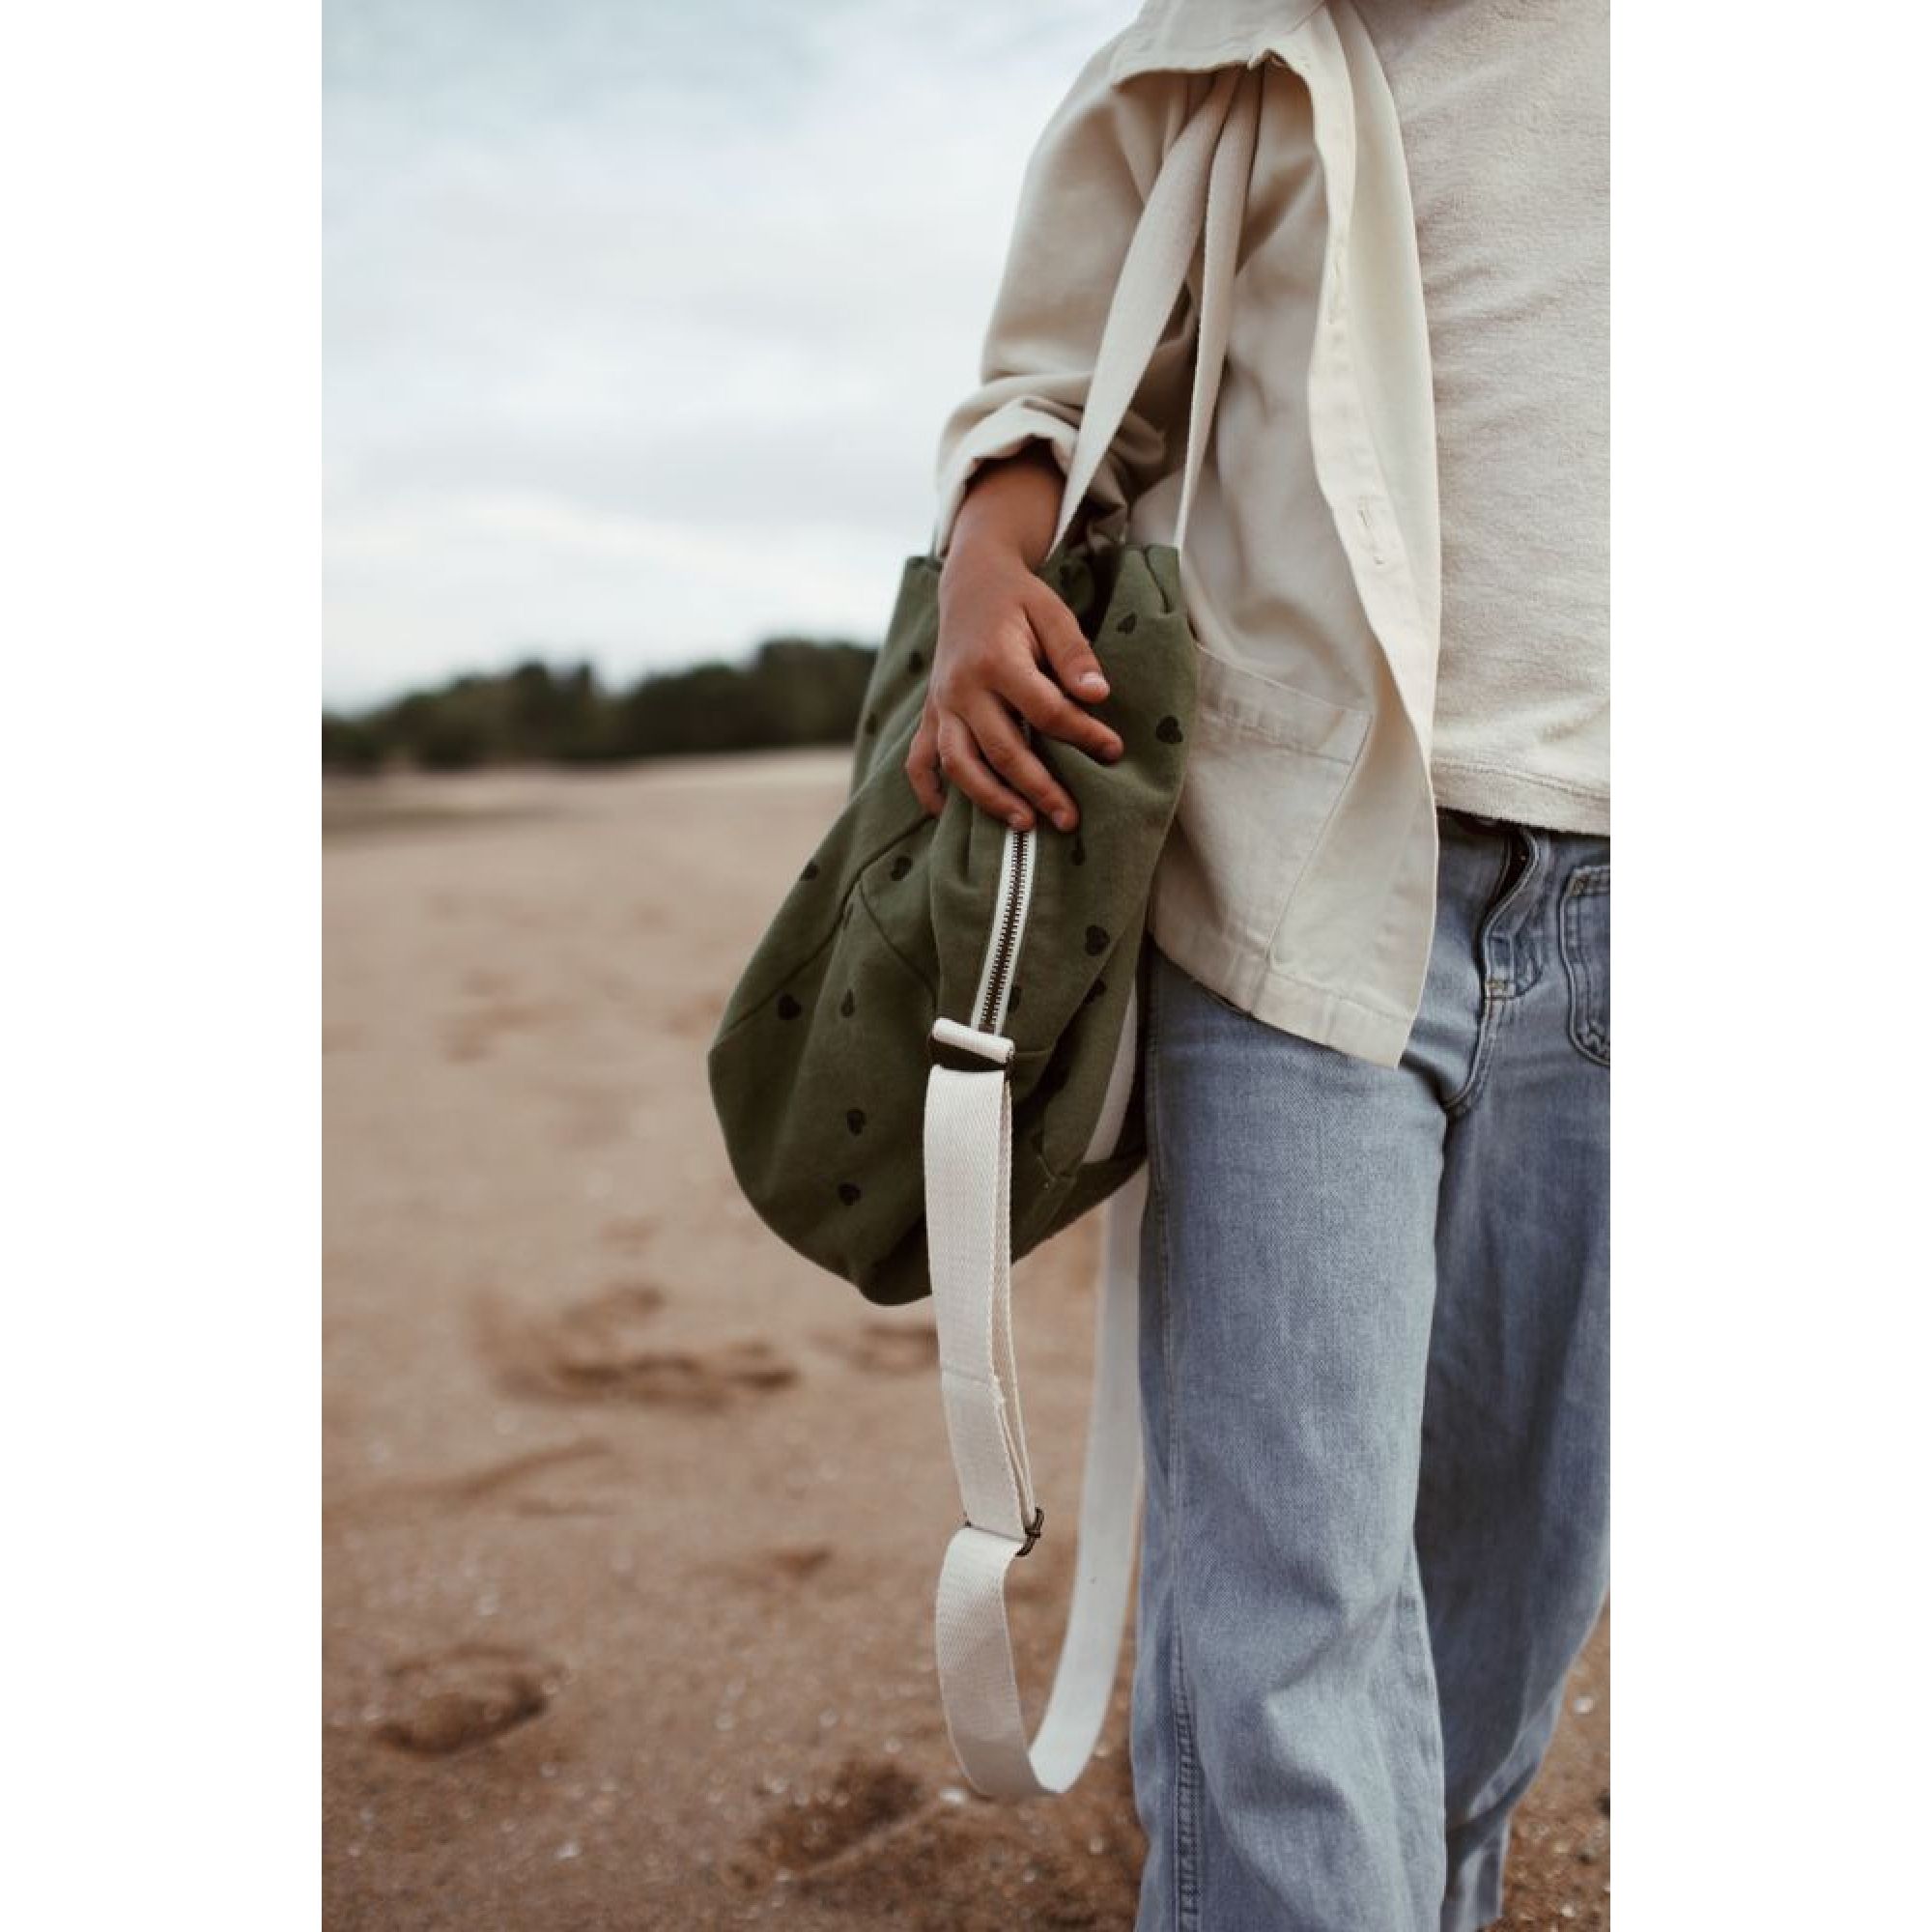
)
(794, 690)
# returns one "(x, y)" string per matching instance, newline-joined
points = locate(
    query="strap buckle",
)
(1034, 1531)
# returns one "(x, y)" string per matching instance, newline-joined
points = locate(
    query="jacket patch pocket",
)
(1583, 933)
(1265, 768)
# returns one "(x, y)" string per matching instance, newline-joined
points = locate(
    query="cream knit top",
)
(1504, 110)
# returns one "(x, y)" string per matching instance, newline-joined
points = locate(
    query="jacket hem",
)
(1287, 1004)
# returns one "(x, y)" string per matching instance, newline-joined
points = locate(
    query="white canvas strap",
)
(1205, 173)
(968, 1152)
(968, 1133)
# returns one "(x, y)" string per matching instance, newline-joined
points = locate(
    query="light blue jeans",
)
(1375, 1366)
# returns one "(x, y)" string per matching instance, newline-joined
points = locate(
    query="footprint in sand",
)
(596, 1340)
(458, 1698)
(798, 1561)
(862, 1802)
(873, 1851)
(527, 1483)
(600, 1351)
(773, 1569)
(542, 1482)
(886, 1348)
(688, 1378)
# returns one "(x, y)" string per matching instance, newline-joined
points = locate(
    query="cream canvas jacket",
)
(1298, 881)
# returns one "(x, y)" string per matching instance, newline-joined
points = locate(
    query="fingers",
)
(1047, 708)
(986, 756)
(922, 765)
(1002, 746)
(964, 765)
(1045, 703)
(1079, 671)
(1006, 638)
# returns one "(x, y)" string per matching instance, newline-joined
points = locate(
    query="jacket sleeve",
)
(1083, 189)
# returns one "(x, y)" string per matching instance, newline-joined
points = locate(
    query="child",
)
(1374, 1257)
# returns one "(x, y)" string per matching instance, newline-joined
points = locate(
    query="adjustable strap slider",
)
(1034, 1531)
(953, 1044)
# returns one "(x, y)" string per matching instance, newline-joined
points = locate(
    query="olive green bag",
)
(932, 1061)
(897, 917)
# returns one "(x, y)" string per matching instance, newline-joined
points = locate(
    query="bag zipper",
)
(1009, 917)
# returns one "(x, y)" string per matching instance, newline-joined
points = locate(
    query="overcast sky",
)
(642, 318)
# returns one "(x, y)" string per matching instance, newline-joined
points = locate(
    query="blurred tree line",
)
(794, 690)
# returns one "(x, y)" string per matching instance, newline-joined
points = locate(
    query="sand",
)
(632, 1516)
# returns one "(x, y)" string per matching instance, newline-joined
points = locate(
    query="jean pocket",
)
(1584, 933)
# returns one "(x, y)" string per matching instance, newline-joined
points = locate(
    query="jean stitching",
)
(1470, 1092)
(1186, 1796)
(1186, 1769)
(1187, 1902)
(1465, 1096)
(1586, 1035)
(1530, 891)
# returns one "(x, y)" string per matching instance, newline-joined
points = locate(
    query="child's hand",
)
(1010, 653)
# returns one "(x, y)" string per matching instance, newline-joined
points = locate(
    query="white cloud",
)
(642, 321)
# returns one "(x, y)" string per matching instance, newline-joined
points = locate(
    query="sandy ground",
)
(632, 1516)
